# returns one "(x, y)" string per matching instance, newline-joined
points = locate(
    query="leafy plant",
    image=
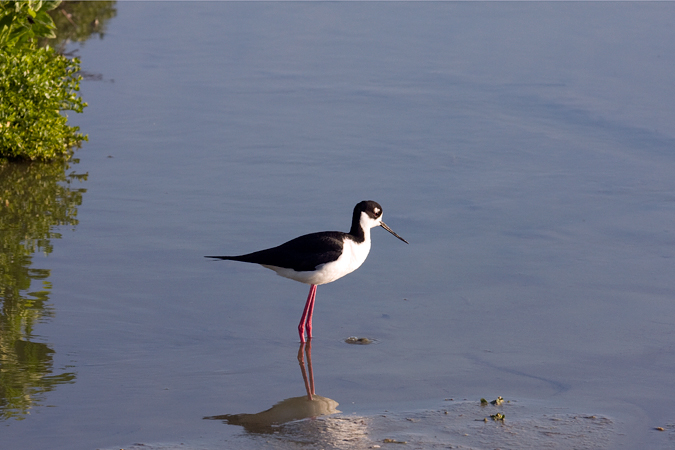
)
(22, 21)
(36, 84)
(34, 87)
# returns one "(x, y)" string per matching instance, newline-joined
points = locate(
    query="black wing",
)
(301, 254)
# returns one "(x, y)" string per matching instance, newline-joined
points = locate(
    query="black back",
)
(301, 254)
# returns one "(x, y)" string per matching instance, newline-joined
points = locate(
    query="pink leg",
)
(310, 314)
(307, 315)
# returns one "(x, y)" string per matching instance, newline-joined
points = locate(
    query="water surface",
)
(525, 150)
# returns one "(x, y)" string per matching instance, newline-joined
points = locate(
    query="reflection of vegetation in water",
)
(34, 198)
(78, 21)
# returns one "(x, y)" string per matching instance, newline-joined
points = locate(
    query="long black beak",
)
(384, 225)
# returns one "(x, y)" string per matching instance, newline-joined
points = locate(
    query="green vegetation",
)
(22, 21)
(497, 416)
(36, 84)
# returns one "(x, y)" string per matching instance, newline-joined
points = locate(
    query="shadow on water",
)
(292, 409)
(34, 198)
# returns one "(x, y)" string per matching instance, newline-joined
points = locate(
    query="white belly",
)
(353, 255)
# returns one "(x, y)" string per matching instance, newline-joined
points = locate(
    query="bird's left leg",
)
(306, 319)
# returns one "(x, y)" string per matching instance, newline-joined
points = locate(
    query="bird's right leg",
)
(306, 319)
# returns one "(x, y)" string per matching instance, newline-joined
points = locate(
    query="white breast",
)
(353, 255)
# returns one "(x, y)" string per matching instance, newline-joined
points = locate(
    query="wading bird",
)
(319, 258)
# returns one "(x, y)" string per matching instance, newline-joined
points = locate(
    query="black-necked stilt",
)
(319, 258)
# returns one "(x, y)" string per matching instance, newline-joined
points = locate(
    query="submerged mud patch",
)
(455, 424)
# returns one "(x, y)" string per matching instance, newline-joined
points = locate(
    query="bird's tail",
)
(249, 258)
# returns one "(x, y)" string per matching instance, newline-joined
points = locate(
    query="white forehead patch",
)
(376, 210)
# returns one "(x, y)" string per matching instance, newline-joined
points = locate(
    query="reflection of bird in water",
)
(288, 410)
(321, 258)
(295, 408)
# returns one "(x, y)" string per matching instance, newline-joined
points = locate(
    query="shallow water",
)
(525, 150)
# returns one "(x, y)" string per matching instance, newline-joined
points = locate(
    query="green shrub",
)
(36, 84)
(22, 21)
